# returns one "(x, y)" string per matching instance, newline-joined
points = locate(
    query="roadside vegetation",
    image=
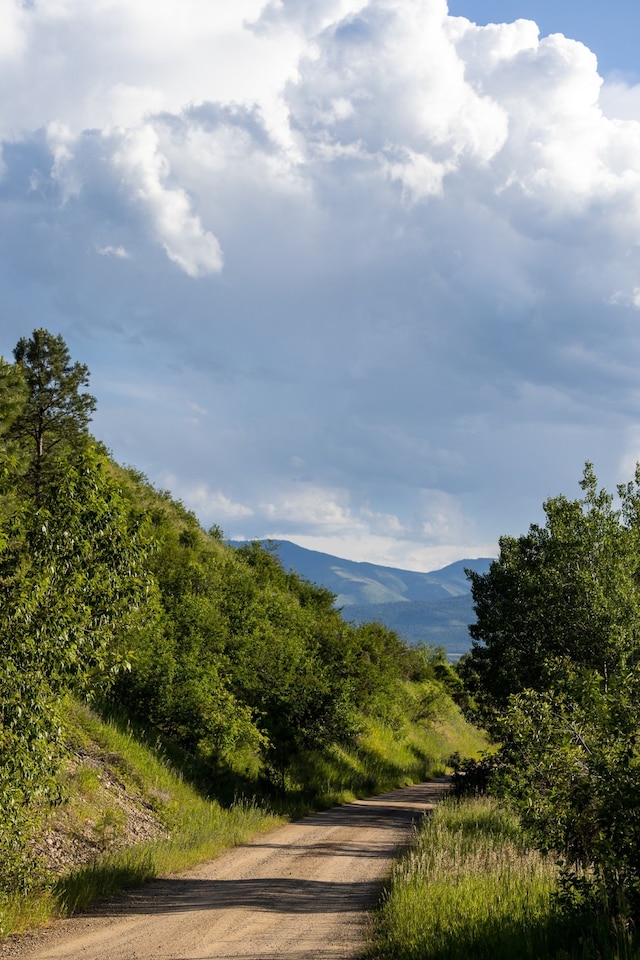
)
(472, 886)
(164, 695)
(127, 813)
(546, 862)
(133, 806)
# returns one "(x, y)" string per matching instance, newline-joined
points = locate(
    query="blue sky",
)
(362, 275)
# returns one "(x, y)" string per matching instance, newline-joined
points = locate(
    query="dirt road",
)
(299, 892)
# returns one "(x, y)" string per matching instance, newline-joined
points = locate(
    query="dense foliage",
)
(72, 583)
(112, 590)
(246, 663)
(555, 672)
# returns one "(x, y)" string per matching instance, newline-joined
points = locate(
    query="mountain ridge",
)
(356, 582)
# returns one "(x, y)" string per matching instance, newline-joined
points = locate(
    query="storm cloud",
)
(360, 275)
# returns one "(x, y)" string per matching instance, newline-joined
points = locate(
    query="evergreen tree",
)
(12, 400)
(55, 416)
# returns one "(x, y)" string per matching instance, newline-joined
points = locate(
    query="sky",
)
(360, 275)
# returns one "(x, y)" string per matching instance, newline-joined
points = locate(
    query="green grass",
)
(197, 828)
(470, 889)
(175, 786)
(202, 831)
(390, 754)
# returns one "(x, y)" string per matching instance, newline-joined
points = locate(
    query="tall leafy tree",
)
(555, 667)
(73, 586)
(567, 590)
(57, 410)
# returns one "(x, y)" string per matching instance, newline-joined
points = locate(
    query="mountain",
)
(444, 623)
(435, 606)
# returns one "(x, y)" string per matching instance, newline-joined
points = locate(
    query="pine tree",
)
(56, 413)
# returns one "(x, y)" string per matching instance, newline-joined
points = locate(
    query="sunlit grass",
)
(197, 828)
(387, 755)
(392, 753)
(203, 830)
(470, 889)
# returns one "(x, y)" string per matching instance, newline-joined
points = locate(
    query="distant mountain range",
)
(435, 607)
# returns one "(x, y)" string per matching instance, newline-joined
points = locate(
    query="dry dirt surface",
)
(302, 891)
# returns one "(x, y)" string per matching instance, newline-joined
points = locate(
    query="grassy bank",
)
(113, 782)
(391, 752)
(135, 808)
(471, 888)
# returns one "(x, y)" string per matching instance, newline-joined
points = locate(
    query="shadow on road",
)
(272, 895)
(386, 816)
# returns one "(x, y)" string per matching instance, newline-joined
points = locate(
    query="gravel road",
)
(299, 893)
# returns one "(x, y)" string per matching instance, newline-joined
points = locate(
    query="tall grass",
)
(390, 754)
(197, 828)
(174, 785)
(202, 831)
(470, 889)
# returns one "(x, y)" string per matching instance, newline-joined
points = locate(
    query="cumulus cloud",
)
(620, 100)
(424, 97)
(145, 171)
(393, 255)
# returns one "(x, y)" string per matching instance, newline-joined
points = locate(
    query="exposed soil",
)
(107, 815)
(300, 893)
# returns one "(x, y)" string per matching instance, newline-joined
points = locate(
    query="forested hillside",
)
(112, 592)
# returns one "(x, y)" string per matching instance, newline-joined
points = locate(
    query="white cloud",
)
(61, 142)
(309, 17)
(392, 89)
(398, 70)
(120, 253)
(416, 242)
(620, 100)
(313, 507)
(210, 505)
(145, 170)
(420, 176)
(442, 518)
(97, 64)
(12, 36)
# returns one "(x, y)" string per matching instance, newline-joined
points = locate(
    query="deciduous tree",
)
(72, 585)
(568, 589)
(555, 667)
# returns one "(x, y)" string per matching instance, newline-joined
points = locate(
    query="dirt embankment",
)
(302, 891)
